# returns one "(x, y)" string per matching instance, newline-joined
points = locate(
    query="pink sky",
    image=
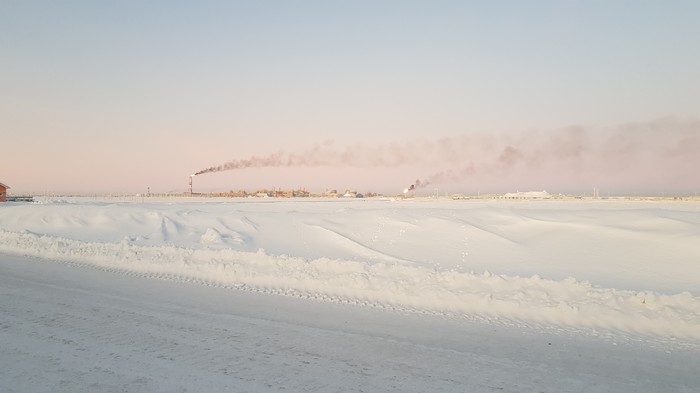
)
(655, 157)
(469, 96)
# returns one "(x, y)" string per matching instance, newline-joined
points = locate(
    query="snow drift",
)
(635, 263)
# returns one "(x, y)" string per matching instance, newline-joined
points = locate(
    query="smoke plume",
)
(636, 153)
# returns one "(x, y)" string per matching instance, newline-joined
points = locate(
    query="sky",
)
(466, 96)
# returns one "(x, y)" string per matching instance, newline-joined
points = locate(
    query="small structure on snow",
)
(3, 192)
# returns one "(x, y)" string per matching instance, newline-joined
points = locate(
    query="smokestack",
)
(191, 176)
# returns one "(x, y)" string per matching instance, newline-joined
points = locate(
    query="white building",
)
(527, 195)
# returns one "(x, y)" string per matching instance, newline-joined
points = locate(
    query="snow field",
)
(407, 255)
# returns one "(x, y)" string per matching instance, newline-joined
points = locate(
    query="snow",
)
(611, 280)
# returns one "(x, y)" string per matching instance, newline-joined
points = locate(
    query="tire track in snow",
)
(134, 340)
(102, 332)
(611, 335)
(566, 304)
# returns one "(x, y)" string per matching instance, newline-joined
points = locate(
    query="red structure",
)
(3, 192)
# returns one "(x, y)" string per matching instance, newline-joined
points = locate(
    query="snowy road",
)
(69, 328)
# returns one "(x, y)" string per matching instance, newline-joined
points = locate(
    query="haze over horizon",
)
(464, 96)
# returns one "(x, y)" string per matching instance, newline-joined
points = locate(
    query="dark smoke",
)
(636, 152)
(327, 154)
(417, 184)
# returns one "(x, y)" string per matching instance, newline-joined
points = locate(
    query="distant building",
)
(3, 192)
(528, 195)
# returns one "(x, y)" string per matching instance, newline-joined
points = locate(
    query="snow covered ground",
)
(377, 295)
